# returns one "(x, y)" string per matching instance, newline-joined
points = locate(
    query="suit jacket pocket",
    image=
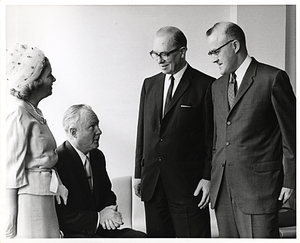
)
(267, 166)
(186, 117)
(186, 106)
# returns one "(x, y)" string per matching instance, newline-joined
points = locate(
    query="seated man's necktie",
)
(88, 171)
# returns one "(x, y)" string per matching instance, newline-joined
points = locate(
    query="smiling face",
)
(87, 132)
(225, 57)
(175, 61)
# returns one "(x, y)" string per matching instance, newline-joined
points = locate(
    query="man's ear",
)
(73, 132)
(237, 46)
(183, 52)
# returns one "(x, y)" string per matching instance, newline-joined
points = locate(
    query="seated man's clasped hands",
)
(110, 218)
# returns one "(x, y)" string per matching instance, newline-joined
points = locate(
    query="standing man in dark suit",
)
(255, 136)
(91, 210)
(174, 138)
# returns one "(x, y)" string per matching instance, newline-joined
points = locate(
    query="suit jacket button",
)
(160, 140)
(227, 143)
(159, 159)
(228, 123)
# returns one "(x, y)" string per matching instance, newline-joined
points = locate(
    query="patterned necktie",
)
(88, 171)
(232, 88)
(169, 94)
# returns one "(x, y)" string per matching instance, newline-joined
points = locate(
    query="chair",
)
(129, 205)
(287, 223)
(122, 187)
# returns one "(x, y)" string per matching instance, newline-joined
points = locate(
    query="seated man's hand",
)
(110, 218)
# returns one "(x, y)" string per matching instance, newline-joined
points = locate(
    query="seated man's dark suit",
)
(79, 217)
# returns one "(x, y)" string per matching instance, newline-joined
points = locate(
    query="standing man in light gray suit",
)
(254, 137)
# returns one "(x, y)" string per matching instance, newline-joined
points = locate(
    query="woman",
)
(31, 183)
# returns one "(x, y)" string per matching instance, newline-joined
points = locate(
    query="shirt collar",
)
(81, 155)
(240, 72)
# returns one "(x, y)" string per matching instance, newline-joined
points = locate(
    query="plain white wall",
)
(266, 48)
(100, 56)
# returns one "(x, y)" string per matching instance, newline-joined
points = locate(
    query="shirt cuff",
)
(98, 222)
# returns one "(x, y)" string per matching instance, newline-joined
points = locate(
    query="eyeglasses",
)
(217, 51)
(164, 55)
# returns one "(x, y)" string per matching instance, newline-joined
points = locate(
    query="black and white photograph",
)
(152, 120)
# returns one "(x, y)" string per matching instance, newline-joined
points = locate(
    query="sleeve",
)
(81, 213)
(284, 103)
(214, 135)
(109, 195)
(81, 221)
(17, 144)
(140, 136)
(72, 216)
(209, 129)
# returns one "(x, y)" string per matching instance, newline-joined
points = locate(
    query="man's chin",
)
(165, 70)
(96, 144)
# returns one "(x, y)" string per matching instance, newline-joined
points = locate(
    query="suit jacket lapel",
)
(159, 92)
(224, 81)
(96, 178)
(181, 88)
(246, 82)
(78, 167)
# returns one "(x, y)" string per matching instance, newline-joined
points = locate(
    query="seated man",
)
(91, 210)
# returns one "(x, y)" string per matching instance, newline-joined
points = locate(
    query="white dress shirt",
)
(177, 77)
(240, 72)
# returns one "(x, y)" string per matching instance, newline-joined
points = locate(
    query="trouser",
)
(165, 219)
(233, 223)
(101, 233)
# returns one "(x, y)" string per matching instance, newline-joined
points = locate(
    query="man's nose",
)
(98, 130)
(215, 58)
